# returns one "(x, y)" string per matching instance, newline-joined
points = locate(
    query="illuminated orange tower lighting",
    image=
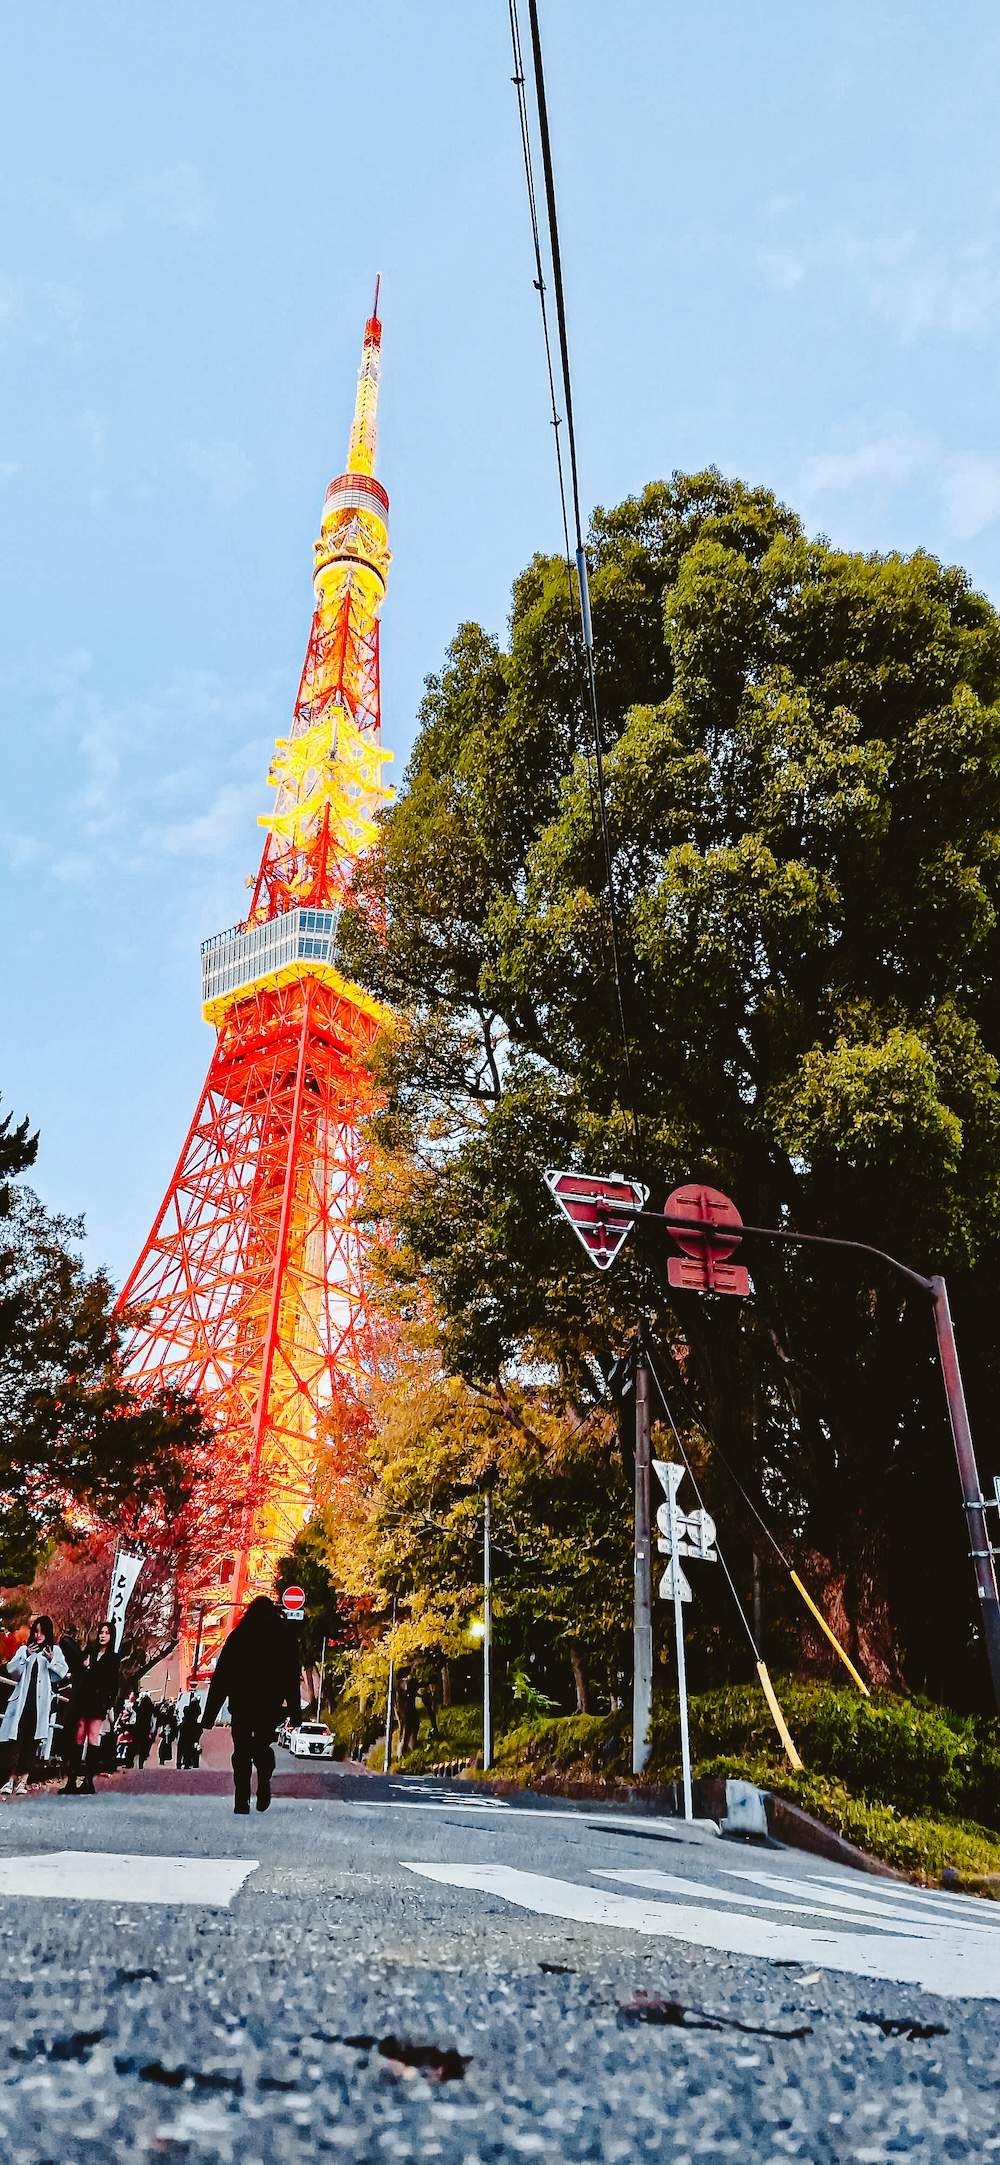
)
(252, 1282)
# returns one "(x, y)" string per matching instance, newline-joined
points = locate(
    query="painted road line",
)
(101, 1875)
(848, 1911)
(914, 1908)
(688, 1831)
(965, 1966)
(936, 1898)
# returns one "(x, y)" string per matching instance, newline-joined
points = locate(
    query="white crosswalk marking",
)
(99, 1875)
(849, 1911)
(905, 1906)
(959, 1965)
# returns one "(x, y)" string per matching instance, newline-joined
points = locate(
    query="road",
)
(397, 1971)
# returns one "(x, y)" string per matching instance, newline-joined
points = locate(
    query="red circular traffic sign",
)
(705, 1207)
(293, 1599)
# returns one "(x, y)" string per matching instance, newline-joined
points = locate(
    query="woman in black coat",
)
(258, 1672)
(94, 1689)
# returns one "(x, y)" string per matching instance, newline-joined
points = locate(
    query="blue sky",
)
(782, 250)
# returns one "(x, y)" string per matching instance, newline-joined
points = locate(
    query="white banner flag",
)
(123, 1577)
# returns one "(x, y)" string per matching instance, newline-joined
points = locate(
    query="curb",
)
(786, 1823)
(789, 1823)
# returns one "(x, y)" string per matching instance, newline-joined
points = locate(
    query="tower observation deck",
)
(251, 1287)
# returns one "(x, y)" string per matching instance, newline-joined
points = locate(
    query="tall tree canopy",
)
(803, 780)
(74, 1437)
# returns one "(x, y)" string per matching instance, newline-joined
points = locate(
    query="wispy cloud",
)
(876, 465)
(914, 285)
(175, 773)
(230, 819)
(176, 196)
(223, 466)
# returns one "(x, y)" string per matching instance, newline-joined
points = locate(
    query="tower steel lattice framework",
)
(251, 1286)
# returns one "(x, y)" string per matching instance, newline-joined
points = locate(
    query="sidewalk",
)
(293, 1778)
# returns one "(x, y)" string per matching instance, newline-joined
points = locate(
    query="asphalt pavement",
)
(395, 1970)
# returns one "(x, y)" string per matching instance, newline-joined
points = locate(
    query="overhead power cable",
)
(763, 1678)
(583, 582)
(801, 1590)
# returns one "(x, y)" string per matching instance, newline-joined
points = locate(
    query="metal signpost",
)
(601, 1212)
(682, 1533)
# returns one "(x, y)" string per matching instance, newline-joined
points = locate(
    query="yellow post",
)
(779, 1720)
(834, 1641)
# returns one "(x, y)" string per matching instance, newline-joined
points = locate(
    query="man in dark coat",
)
(258, 1672)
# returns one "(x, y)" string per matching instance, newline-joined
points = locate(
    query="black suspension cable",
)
(583, 583)
(520, 83)
(665, 1403)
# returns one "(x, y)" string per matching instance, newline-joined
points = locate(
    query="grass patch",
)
(912, 1783)
(460, 1736)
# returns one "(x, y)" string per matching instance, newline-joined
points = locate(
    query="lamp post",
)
(487, 1632)
(387, 1753)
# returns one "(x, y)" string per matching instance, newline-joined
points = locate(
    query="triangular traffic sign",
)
(599, 1211)
(673, 1580)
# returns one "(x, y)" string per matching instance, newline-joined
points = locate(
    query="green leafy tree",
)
(803, 779)
(325, 1615)
(74, 1436)
(561, 1530)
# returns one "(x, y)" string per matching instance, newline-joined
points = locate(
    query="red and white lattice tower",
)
(251, 1286)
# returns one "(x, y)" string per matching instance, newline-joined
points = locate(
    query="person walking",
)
(166, 1730)
(66, 1700)
(94, 1696)
(258, 1672)
(145, 1723)
(36, 1667)
(188, 1754)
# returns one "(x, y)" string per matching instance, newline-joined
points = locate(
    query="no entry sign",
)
(293, 1600)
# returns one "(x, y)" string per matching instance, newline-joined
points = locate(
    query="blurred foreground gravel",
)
(252, 2033)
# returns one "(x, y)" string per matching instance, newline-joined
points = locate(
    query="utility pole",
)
(387, 1754)
(642, 1671)
(980, 1547)
(322, 1673)
(487, 1631)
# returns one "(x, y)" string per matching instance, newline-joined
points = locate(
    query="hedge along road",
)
(401, 1970)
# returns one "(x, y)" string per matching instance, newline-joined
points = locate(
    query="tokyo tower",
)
(251, 1287)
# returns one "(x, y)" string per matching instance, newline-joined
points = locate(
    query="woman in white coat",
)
(27, 1721)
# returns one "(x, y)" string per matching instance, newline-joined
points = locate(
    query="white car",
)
(312, 1741)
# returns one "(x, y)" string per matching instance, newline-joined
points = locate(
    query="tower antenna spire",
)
(364, 434)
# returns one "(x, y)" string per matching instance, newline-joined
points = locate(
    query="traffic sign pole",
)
(682, 1689)
(642, 1665)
